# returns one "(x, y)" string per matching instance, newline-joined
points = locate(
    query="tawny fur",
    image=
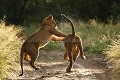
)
(73, 46)
(39, 39)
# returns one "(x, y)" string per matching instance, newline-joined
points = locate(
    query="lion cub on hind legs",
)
(47, 32)
(73, 45)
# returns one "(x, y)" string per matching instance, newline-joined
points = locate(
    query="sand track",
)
(53, 68)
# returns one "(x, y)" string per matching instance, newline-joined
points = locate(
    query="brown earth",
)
(53, 68)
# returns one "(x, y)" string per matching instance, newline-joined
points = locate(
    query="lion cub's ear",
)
(50, 16)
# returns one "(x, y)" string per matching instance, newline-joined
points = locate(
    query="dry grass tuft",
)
(9, 48)
(113, 56)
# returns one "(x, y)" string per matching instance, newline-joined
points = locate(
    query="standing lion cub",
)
(47, 32)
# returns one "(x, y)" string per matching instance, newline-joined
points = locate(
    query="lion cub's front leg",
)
(55, 38)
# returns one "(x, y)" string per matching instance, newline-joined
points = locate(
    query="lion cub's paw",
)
(68, 70)
(37, 68)
(83, 57)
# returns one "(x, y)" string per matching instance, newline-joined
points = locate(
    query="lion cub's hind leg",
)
(81, 51)
(75, 54)
(33, 54)
(33, 59)
(66, 56)
(70, 60)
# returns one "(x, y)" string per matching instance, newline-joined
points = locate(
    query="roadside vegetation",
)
(113, 56)
(9, 48)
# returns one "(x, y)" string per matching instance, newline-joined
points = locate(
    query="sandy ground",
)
(53, 68)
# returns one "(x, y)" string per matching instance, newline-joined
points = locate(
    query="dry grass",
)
(113, 56)
(9, 48)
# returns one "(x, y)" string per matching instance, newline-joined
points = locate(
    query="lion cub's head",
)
(49, 21)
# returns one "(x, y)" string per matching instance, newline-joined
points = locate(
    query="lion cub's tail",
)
(73, 29)
(21, 61)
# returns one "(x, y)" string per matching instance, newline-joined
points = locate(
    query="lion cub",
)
(47, 32)
(73, 45)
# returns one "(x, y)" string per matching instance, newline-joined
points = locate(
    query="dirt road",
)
(53, 68)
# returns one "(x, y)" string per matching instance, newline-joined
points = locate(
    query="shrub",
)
(97, 36)
(113, 56)
(9, 48)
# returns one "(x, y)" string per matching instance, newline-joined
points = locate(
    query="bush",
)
(113, 56)
(9, 48)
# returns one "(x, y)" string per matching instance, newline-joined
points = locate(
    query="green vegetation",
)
(113, 56)
(9, 48)
(54, 46)
(95, 36)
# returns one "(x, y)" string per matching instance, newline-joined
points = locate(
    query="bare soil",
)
(53, 67)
